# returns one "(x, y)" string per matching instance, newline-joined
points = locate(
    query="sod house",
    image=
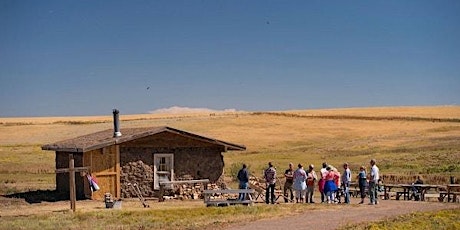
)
(144, 156)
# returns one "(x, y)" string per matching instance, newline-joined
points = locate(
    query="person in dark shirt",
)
(416, 189)
(243, 178)
(289, 174)
(270, 182)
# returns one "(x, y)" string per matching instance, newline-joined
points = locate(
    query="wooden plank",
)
(229, 191)
(117, 170)
(106, 173)
(104, 169)
(228, 202)
(184, 182)
(76, 169)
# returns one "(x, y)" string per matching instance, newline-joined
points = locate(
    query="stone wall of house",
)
(136, 166)
(200, 163)
(136, 177)
(189, 163)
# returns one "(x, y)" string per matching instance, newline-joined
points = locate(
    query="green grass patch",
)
(175, 218)
(446, 219)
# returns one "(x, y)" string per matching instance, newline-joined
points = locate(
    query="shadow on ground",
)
(33, 197)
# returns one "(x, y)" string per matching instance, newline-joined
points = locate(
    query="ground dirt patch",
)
(341, 215)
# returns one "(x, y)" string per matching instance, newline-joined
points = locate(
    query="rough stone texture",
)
(200, 163)
(136, 172)
(191, 163)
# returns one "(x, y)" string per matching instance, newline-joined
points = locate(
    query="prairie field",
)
(405, 141)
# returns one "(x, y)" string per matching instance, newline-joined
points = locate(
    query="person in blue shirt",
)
(362, 183)
(243, 178)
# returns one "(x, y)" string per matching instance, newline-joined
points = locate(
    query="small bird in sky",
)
(148, 87)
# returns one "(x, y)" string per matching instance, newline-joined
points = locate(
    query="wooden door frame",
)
(156, 185)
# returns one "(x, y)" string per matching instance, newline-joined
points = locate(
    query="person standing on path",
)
(289, 175)
(300, 185)
(311, 180)
(322, 181)
(373, 180)
(243, 178)
(362, 183)
(330, 186)
(270, 181)
(346, 180)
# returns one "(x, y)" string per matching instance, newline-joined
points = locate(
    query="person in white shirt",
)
(300, 185)
(346, 179)
(373, 183)
(322, 181)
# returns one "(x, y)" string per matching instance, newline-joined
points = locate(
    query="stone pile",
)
(136, 172)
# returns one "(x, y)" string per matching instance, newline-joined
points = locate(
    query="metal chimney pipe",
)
(116, 123)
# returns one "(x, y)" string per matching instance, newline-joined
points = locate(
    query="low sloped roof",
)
(105, 138)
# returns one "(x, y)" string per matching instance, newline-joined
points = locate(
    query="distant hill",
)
(182, 110)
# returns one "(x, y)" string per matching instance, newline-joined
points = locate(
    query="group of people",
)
(300, 184)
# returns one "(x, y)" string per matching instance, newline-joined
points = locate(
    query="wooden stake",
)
(73, 197)
(72, 187)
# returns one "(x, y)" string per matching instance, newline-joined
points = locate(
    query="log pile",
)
(136, 172)
(189, 191)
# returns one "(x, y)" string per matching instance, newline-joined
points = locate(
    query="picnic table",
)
(223, 198)
(407, 190)
(453, 190)
(354, 189)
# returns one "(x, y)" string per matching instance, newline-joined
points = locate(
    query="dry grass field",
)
(401, 144)
(406, 141)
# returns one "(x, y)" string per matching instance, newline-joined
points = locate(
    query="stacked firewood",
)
(136, 173)
(189, 191)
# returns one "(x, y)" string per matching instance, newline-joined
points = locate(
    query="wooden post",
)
(73, 196)
(117, 169)
(72, 188)
(162, 191)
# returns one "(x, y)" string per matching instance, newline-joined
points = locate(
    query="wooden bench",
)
(404, 194)
(354, 192)
(451, 196)
(432, 196)
(224, 200)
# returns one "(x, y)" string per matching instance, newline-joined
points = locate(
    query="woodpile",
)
(189, 191)
(136, 172)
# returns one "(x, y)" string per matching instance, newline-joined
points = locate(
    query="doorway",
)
(163, 169)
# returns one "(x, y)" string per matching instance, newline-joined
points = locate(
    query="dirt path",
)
(345, 214)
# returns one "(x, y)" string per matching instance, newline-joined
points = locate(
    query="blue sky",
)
(88, 57)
